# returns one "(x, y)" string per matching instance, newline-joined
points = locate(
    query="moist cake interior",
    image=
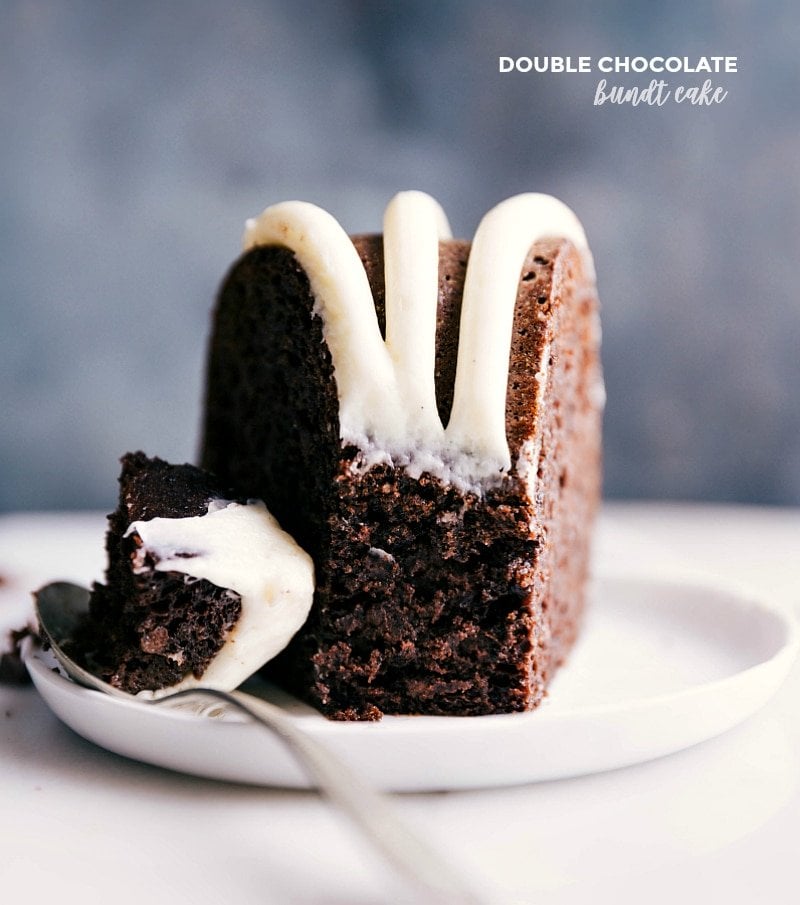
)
(147, 630)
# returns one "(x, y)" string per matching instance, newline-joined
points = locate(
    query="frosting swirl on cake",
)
(387, 397)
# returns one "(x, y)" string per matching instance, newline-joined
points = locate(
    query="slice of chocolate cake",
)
(201, 588)
(423, 416)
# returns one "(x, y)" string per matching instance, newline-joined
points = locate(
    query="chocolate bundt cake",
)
(423, 416)
(201, 588)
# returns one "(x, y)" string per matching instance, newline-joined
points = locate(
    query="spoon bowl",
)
(59, 608)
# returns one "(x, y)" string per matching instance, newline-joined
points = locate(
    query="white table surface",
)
(719, 822)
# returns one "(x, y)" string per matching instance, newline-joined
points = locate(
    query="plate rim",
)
(774, 667)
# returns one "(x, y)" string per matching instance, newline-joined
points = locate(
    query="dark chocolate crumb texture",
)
(202, 587)
(147, 629)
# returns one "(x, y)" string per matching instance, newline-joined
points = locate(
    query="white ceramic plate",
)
(660, 666)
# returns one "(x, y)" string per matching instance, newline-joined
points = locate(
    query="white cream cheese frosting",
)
(239, 547)
(413, 226)
(387, 397)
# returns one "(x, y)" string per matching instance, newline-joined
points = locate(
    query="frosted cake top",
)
(387, 396)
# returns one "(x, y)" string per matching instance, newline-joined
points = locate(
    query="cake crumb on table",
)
(12, 667)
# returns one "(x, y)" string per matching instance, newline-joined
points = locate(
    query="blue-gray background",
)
(136, 137)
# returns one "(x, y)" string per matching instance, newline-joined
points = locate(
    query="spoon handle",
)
(369, 809)
(60, 605)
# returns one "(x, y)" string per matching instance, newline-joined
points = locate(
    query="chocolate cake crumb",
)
(12, 666)
(149, 630)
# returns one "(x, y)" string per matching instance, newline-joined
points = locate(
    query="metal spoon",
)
(61, 605)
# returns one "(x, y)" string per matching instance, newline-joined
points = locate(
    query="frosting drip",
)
(387, 396)
(241, 548)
